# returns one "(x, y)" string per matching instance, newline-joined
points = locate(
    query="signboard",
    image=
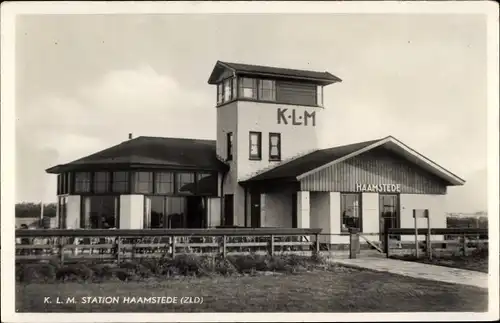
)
(291, 116)
(379, 188)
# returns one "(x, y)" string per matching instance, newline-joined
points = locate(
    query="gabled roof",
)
(323, 78)
(151, 152)
(296, 167)
(314, 162)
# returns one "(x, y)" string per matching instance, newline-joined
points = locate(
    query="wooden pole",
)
(118, 247)
(271, 245)
(416, 232)
(317, 244)
(173, 245)
(429, 242)
(224, 247)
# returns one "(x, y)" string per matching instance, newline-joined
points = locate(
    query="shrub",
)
(36, 273)
(74, 272)
(277, 263)
(187, 264)
(247, 263)
(481, 251)
(102, 271)
(124, 274)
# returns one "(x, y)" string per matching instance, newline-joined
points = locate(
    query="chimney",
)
(129, 136)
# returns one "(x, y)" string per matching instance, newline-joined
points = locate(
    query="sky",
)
(83, 82)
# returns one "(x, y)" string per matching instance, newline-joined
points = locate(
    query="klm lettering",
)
(293, 117)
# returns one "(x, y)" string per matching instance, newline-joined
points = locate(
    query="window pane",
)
(164, 183)
(227, 90)
(248, 88)
(207, 183)
(154, 208)
(254, 150)
(62, 212)
(235, 89)
(267, 90)
(100, 212)
(319, 93)
(120, 182)
(101, 182)
(274, 151)
(176, 207)
(219, 93)
(144, 182)
(350, 211)
(185, 183)
(229, 145)
(82, 182)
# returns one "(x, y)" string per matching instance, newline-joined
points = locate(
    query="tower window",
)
(267, 90)
(220, 93)
(255, 152)
(274, 146)
(228, 92)
(319, 95)
(248, 88)
(229, 146)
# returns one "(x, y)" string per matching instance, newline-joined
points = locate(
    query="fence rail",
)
(118, 245)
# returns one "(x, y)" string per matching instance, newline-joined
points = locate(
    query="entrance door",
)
(389, 214)
(228, 210)
(195, 212)
(255, 209)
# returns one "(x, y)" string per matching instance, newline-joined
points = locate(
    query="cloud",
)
(101, 114)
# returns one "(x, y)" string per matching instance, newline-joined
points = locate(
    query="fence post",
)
(224, 246)
(386, 243)
(464, 244)
(317, 245)
(428, 236)
(61, 250)
(118, 247)
(354, 243)
(416, 232)
(271, 246)
(173, 246)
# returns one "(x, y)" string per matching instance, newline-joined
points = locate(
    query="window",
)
(274, 146)
(63, 201)
(164, 183)
(319, 95)
(82, 182)
(235, 87)
(120, 182)
(164, 212)
(220, 93)
(267, 90)
(101, 182)
(59, 185)
(248, 88)
(255, 145)
(100, 212)
(154, 212)
(185, 183)
(229, 146)
(206, 184)
(351, 211)
(143, 182)
(228, 92)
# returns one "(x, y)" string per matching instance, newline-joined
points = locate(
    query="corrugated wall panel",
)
(295, 93)
(375, 167)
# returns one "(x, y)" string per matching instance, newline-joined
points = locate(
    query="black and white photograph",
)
(249, 161)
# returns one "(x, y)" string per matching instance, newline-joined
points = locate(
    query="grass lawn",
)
(339, 290)
(468, 263)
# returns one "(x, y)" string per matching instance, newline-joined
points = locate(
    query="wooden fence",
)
(454, 240)
(118, 245)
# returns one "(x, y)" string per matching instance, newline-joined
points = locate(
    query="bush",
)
(76, 272)
(102, 271)
(187, 264)
(36, 273)
(124, 274)
(481, 251)
(136, 268)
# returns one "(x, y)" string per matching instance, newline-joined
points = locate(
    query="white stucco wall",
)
(132, 211)
(303, 210)
(436, 206)
(263, 117)
(320, 215)
(73, 208)
(213, 212)
(277, 210)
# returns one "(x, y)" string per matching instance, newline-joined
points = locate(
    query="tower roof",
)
(320, 78)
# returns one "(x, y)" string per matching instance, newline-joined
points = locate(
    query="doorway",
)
(389, 214)
(255, 210)
(228, 210)
(195, 212)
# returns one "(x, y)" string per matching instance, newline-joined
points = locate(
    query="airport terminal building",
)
(264, 169)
